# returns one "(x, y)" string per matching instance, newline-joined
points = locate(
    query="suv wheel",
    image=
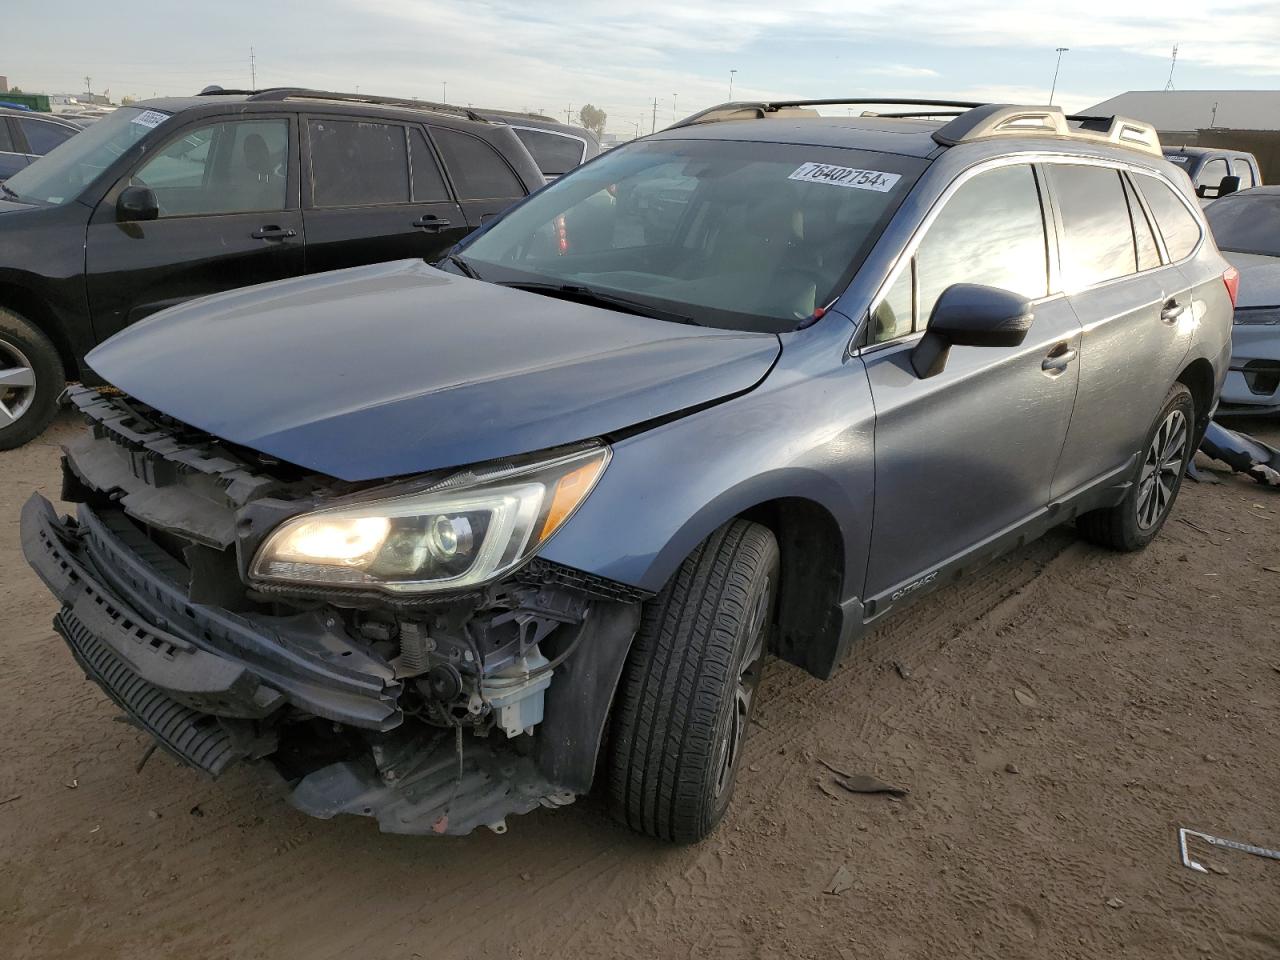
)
(689, 687)
(31, 378)
(1138, 518)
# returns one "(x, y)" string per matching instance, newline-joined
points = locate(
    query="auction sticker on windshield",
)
(877, 180)
(151, 118)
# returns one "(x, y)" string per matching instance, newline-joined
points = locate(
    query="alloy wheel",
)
(1161, 469)
(17, 384)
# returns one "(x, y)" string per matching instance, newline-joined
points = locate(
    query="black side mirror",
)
(137, 203)
(1228, 185)
(970, 315)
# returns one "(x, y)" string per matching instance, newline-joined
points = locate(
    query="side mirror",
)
(1228, 185)
(137, 203)
(970, 315)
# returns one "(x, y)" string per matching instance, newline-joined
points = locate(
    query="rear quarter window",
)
(1178, 225)
(478, 171)
(552, 152)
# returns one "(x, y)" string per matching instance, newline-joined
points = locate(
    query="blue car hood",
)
(400, 368)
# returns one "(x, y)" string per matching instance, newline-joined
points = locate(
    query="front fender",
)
(805, 432)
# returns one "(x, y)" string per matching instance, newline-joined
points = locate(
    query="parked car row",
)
(448, 543)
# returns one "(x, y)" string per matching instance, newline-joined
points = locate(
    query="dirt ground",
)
(1056, 719)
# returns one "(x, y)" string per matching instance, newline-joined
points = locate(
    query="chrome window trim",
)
(582, 157)
(1045, 159)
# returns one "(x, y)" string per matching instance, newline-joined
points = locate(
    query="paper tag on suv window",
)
(151, 118)
(846, 177)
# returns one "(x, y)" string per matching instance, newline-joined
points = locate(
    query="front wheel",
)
(1136, 520)
(689, 686)
(31, 379)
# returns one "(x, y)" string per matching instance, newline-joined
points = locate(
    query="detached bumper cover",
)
(175, 666)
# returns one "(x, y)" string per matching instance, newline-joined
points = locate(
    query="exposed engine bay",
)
(431, 714)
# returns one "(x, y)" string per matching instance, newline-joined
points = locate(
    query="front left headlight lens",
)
(467, 530)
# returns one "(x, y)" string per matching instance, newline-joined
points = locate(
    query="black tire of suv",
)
(50, 378)
(678, 721)
(1117, 527)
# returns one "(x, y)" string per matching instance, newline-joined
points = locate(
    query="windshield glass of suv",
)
(60, 176)
(740, 235)
(1246, 223)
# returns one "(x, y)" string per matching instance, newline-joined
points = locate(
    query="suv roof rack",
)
(304, 93)
(969, 120)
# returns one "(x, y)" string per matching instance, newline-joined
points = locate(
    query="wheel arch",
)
(1198, 377)
(32, 308)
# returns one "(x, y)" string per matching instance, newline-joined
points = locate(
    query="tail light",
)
(1231, 278)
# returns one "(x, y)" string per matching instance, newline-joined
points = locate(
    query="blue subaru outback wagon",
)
(448, 543)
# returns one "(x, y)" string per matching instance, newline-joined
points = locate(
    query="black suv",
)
(172, 199)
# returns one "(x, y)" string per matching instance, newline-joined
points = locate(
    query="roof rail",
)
(970, 120)
(303, 93)
(1007, 120)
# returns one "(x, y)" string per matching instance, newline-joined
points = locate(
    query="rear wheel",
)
(1134, 523)
(689, 687)
(31, 378)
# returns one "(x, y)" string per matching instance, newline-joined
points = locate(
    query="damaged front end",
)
(231, 606)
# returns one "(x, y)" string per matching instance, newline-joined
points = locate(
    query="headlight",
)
(1258, 315)
(463, 531)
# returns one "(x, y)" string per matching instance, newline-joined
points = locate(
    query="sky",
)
(622, 55)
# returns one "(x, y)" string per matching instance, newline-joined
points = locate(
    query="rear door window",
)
(477, 170)
(356, 163)
(43, 136)
(428, 181)
(554, 153)
(1177, 224)
(1097, 242)
(1242, 170)
(6, 140)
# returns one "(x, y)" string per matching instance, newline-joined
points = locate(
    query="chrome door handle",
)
(1058, 361)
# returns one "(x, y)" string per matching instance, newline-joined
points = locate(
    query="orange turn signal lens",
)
(571, 490)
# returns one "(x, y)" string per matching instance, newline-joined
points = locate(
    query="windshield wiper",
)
(10, 192)
(582, 294)
(462, 265)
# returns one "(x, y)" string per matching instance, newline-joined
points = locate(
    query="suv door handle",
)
(273, 233)
(428, 222)
(1172, 312)
(1058, 360)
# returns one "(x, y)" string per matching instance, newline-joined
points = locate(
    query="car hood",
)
(400, 368)
(1259, 279)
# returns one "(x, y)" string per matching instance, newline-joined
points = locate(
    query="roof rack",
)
(970, 120)
(304, 93)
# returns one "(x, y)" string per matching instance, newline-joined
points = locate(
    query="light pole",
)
(731, 73)
(444, 91)
(674, 113)
(1057, 67)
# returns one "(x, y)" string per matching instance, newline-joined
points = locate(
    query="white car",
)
(1247, 228)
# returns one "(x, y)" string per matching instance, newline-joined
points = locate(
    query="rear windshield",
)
(746, 236)
(1246, 223)
(62, 174)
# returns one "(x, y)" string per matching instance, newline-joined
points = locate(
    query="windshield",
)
(1246, 223)
(746, 236)
(60, 175)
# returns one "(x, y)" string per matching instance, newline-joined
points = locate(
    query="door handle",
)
(1172, 312)
(429, 222)
(273, 233)
(1058, 361)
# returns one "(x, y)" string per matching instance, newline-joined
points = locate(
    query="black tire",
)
(23, 345)
(680, 720)
(1135, 521)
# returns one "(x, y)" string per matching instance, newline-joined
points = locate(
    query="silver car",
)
(1247, 228)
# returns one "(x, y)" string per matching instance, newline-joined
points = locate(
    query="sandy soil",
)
(1056, 719)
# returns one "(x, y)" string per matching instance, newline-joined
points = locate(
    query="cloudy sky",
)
(620, 54)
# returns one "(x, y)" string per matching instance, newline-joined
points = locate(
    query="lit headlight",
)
(467, 530)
